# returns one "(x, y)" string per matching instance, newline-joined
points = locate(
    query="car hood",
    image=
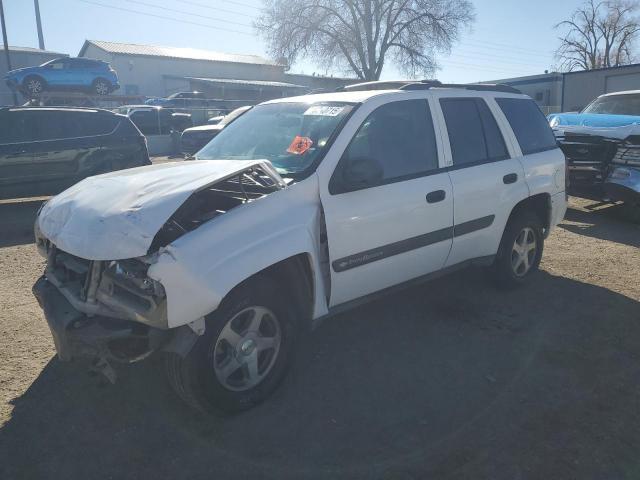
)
(592, 120)
(117, 215)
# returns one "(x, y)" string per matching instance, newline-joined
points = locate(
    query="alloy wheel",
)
(34, 86)
(247, 348)
(523, 252)
(102, 88)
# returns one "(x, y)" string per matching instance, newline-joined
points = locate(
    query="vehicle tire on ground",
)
(33, 86)
(520, 250)
(243, 354)
(101, 86)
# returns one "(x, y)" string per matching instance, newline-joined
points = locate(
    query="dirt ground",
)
(450, 380)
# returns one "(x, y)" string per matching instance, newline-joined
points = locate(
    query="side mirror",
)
(361, 172)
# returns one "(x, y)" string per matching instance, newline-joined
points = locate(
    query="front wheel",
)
(33, 86)
(520, 250)
(243, 355)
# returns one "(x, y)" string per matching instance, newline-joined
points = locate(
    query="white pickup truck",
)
(301, 208)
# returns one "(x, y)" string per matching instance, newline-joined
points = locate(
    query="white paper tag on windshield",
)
(324, 110)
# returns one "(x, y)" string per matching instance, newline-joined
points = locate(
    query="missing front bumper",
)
(100, 338)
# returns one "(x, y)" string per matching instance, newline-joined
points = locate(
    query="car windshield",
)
(290, 135)
(628, 104)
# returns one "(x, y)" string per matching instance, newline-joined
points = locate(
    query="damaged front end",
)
(604, 163)
(112, 310)
(104, 311)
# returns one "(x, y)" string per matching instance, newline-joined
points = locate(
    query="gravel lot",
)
(449, 380)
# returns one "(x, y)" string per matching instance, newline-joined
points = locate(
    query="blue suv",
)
(65, 73)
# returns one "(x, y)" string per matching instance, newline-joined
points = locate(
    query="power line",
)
(182, 12)
(217, 9)
(188, 22)
(203, 5)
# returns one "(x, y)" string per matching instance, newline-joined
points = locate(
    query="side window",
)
(528, 124)
(52, 125)
(473, 132)
(16, 127)
(399, 137)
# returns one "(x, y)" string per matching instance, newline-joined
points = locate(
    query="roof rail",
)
(425, 85)
(484, 87)
(384, 85)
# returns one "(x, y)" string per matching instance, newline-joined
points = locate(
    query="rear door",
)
(399, 227)
(488, 180)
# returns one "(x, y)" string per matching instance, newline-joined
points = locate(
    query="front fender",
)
(202, 267)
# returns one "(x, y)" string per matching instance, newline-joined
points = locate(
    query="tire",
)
(33, 86)
(101, 87)
(216, 375)
(520, 250)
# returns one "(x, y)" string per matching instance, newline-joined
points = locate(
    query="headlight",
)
(554, 122)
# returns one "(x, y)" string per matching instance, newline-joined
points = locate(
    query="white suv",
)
(301, 208)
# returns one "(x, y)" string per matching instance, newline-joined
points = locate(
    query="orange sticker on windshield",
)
(300, 145)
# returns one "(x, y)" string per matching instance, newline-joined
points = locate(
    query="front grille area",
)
(628, 154)
(70, 271)
(115, 289)
(588, 158)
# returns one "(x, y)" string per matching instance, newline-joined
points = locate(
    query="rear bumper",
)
(77, 335)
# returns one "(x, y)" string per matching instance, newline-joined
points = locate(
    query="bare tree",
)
(599, 34)
(361, 35)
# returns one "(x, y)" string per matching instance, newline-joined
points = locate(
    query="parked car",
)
(181, 100)
(301, 208)
(602, 146)
(64, 73)
(154, 120)
(45, 150)
(194, 138)
(215, 120)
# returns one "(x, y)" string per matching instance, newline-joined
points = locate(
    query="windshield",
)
(615, 105)
(290, 135)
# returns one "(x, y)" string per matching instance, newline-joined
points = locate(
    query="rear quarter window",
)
(528, 124)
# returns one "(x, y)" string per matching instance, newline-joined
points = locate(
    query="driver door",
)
(398, 226)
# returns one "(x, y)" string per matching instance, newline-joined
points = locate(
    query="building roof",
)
(250, 83)
(33, 50)
(174, 52)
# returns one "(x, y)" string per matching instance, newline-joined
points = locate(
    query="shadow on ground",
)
(17, 217)
(449, 380)
(609, 223)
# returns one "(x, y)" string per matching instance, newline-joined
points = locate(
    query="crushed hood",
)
(592, 120)
(616, 133)
(116, 215)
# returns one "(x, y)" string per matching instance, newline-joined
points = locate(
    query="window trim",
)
(336, 187)
(501, 158)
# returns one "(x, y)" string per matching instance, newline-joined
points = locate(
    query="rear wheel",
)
(101, 87)
(33, 86)
(243, 355)
(520, 250)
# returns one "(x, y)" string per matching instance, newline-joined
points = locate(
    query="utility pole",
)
(6, 47)
(36, 4)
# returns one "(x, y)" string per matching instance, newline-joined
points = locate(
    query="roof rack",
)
(425, 85)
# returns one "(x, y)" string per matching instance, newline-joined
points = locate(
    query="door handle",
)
(436, 196)
(510, 178)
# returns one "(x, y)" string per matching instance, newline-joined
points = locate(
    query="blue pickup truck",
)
(602, 146)
(79, 74)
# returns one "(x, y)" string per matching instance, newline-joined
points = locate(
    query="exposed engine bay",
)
(212, 201)
(606, 161)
